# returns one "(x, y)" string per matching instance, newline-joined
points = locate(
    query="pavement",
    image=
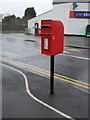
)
(76, 41)
(71, 97)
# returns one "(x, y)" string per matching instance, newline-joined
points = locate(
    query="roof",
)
(65, 1)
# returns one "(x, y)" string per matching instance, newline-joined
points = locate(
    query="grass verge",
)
(6, 32)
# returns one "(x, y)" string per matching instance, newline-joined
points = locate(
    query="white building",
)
(74, 15)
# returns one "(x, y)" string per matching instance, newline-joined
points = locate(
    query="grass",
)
(6, 32)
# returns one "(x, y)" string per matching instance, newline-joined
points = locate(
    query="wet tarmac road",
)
(77, 41)
(72, 63)
(18, 104)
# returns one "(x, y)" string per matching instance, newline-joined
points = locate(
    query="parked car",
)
(88, 31)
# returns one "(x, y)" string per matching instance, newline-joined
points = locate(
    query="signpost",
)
(52, 75)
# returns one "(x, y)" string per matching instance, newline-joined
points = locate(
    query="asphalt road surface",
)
(71, 77)
(17, 103)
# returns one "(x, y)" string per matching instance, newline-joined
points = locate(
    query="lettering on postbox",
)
(52, 37)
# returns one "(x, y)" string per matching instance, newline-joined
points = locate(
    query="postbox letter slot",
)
(45, 26)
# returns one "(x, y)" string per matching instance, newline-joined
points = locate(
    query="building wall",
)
(61, 12)
(76, 26)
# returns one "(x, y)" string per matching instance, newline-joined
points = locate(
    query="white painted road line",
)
(66, 52)
(74, 50)
(36, 99)
(75, 56)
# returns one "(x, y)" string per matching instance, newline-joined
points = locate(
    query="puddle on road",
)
(30, 40)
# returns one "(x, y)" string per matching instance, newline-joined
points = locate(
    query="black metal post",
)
(52, 75)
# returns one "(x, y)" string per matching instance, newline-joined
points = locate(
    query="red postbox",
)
(52, 37)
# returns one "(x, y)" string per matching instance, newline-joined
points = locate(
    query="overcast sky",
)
(18, 7)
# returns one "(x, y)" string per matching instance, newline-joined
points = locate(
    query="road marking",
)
(73, 50)
(66, 52)
(38, 100)
(29, 66)
(75, 56)
(61, 77)
(78, 48)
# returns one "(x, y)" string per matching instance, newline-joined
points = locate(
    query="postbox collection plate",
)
(46, 43)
